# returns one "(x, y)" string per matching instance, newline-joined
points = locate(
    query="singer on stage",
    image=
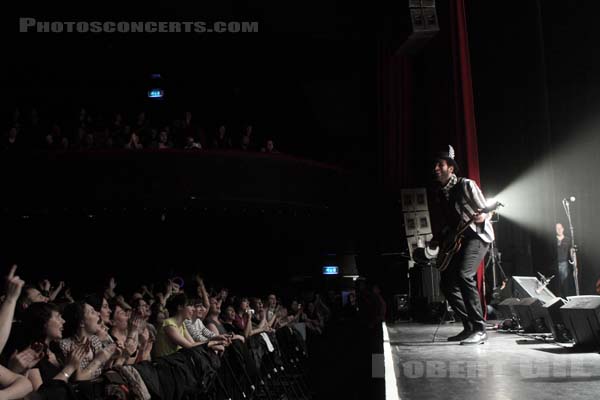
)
(459, 200)
(566, 286)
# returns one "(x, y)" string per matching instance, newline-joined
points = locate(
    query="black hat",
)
(449, 156)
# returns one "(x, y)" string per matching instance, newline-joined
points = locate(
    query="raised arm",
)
(56, 291)
(202, 292)
(7, 311)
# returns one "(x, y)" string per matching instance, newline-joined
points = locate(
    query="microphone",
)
(542, 277)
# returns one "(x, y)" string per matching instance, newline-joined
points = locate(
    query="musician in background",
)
(460, 199)
(566, 284)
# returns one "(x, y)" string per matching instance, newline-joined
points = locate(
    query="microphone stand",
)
(573, 250)
(495, 262)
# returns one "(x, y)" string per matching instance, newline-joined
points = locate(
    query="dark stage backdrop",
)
(536, 91)
(571, 34)
(513, 123)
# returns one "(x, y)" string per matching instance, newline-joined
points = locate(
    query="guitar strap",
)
(458, 198)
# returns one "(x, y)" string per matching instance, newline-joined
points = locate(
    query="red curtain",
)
(464, 107)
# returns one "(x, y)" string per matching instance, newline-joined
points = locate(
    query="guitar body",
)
(452, 246)
(448, 252)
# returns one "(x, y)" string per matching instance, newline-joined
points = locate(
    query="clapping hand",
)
(136, 325)
(77, 354)
(21, 362)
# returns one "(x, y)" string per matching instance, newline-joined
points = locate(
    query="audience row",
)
(88, 133)
(46, 335)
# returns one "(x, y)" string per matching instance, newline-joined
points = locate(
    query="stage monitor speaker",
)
(522, 287)
(531, 315)
(581, 315)
(554, 320)
(507, 308)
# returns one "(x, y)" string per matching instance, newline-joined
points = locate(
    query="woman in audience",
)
(212, 319)
(124, 333)
(100, 304)
(242, 319)
(82, 324)
(44, 325)
(173, 335)
(259, 317)
(242, 314)
(272, 306)
(199, 332)
(147, 332)
(195, 326)
(227, 318)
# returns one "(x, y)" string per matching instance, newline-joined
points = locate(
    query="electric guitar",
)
(452, 246)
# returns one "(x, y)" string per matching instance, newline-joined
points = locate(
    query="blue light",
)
(156, 93)
(331, 270)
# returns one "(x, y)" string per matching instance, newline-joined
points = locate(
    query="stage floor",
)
(508, 366)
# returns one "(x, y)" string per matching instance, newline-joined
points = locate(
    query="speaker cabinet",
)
(528, 286)
(554, 320)
(581, 315)
(507, 309)
(531, 315)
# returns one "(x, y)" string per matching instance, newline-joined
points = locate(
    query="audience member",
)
(222, 140)
(173, 335)
(269, 147)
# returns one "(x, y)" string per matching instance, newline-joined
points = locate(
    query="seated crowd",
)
(46, 335)
(113, 132)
